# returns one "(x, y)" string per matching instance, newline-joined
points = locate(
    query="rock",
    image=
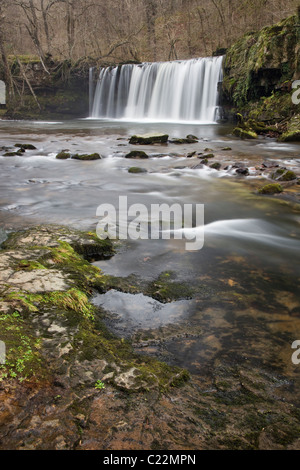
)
(135, 169)
(192, 137)
(137, 154)
(190, 155)
(63, 155)
(19, 153)
(26, 146)
(216, 166)
(86, 157)
(244, 134)
(292, 133)
(187, 140)
(226, 149)
(284, 175)
(149, 139)
(131, 380)
(242, 171)
(273, 188)
(208, 155)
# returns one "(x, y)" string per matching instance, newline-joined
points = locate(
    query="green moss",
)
(27, 265)
(272, 188)
(165, 289)
(137, 154)
(63, 155)
(135, 169)
(216, 166)
(249, 61)
(86, 157)
(23, 358)
(284, 175)
(244, 134)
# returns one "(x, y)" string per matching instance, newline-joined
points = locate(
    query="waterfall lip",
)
(151, 121)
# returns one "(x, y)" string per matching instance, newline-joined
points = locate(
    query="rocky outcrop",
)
(259, 71)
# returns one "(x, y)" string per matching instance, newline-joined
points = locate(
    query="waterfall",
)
(161, 91)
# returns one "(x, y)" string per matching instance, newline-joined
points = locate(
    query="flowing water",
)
(162, 91)
(245, 279)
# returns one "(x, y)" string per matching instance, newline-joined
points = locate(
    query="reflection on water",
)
(138, 311)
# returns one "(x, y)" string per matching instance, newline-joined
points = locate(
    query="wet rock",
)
(13, 154)
(131, 380)
(86, 157)
(268, 164)
(187, 140)
(26, 146)
(137, 154)
(216, 166)
(135, 170)
(273, 188)
(244, 133)
(192, 137)
(284, 175)
(190, 155)
(63, 155)
(242, 171)
(149, 139)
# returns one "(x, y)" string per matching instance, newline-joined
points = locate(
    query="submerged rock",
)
(149, 139)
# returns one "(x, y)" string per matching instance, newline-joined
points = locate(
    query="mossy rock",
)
(149, 139)
(63, 155)
(292, 133)
(273, 188)
(137, 154)
(284, 175)
(136, 169)
(19, 153)
(208, 155)
(86, 157)
(216, 166)
(26, 146)
(244, 134)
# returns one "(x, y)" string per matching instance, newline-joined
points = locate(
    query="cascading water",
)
(161, 91)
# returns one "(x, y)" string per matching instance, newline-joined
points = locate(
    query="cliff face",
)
(59, 91)
(259, 64)
(259, 71)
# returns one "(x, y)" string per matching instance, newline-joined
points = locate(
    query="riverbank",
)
(71, 384)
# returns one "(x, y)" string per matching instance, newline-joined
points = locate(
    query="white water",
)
(163, 91)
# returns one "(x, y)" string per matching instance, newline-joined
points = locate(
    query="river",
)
(245, 304)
